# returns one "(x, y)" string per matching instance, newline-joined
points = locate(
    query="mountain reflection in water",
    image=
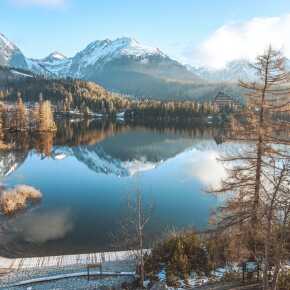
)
(86, 171)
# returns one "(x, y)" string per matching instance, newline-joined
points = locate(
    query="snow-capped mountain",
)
(55, 64)
(102, 55)
(233, 71)
(101, 52)
(10, 54)
(124, 65)
(96, 54)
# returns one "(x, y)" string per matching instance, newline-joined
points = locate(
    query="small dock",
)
(26, 271)
(65, 260)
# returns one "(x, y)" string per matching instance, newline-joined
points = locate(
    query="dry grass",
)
(17, 198)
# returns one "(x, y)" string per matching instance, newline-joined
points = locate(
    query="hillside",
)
(67, 93)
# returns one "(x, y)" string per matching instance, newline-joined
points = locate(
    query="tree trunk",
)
(260, 152)
(266, 258)
(140, 233)
(141, 263)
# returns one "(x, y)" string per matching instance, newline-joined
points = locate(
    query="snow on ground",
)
(197, 280)
(21, 74)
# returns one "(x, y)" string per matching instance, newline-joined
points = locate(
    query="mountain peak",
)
(109, 49)
(127, 40)
(131, 46)
(55, 56)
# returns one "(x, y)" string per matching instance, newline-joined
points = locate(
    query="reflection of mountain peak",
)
(128, 152)
(10, 161)
(97, 160)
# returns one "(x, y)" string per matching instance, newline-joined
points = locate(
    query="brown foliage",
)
(17, 198)
(259, 175)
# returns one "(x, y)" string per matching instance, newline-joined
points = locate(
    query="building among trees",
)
(223, 100)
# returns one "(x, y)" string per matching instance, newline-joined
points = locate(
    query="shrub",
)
(180, 255)
(17, 198)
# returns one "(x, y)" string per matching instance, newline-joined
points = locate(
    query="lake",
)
(89, 170)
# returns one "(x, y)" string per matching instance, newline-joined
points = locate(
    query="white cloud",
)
(46, 3)
(244, 40)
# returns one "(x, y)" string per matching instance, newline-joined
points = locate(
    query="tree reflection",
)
(43, 143)
(74, 132)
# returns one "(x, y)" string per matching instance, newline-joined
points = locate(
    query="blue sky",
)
(178, 27)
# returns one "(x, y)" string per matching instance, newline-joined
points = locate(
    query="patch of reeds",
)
(18, 198)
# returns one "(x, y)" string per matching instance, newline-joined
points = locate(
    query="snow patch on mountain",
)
(234, 71)
(55, 56)
(108, 49)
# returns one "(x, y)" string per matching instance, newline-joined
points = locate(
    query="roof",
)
(223, 97)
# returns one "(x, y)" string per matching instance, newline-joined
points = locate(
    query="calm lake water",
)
(86, 173)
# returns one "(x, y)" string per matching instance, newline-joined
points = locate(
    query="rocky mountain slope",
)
(10, 54)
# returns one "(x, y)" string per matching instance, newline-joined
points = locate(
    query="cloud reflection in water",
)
(45, 226)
